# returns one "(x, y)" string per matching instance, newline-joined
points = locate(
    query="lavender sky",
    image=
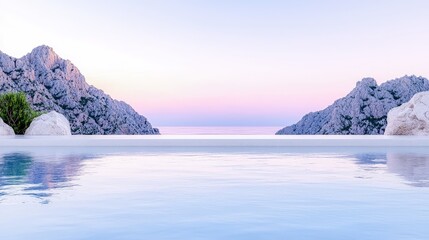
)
(223, 62)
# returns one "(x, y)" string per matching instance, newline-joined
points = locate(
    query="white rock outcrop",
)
(411, 118)
(363, 111)
(53, 83)
(51, 123)
(5, 129)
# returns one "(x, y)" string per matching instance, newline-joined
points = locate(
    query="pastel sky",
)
(223, 62)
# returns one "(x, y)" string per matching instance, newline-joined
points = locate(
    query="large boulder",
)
(411, 118)
(5, 129)
(51, 123)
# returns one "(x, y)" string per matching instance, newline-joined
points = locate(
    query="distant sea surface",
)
(218, 130)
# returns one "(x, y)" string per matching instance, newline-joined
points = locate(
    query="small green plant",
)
(16, 111)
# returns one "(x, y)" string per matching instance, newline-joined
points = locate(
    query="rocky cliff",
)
(52, 83)
(363, 111)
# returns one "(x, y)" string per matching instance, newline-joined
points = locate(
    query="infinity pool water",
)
(214, 193)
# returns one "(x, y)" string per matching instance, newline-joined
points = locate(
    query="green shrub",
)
(16, 111)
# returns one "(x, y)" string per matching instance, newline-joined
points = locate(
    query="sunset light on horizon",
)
(225, 63)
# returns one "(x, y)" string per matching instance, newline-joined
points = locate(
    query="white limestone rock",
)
(52, 83)
(51, 123)
(411, 118)
(363, 111)
(5, 129)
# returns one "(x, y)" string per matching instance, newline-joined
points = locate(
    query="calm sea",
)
(219, 130)
(235, 193)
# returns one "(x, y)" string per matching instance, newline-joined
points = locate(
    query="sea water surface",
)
(219, 130)
(214, 193)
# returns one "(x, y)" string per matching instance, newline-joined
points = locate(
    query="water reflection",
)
(413, 167)
(371, 158)
(36, 175)
(14, 168)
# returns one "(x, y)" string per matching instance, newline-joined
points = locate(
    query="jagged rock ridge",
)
(52, 83)
(363, 111)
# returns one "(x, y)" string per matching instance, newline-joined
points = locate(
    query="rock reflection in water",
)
(413, 167)
(35, 175)
(370, 158)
